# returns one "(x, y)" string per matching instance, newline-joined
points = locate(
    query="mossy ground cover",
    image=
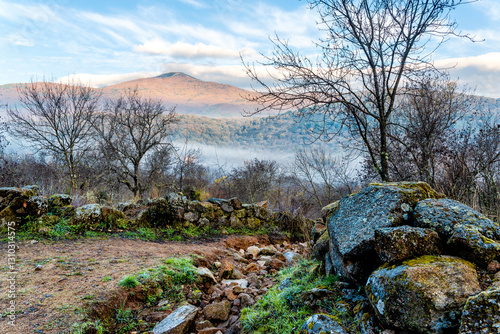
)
(283, 310)
(54, 228)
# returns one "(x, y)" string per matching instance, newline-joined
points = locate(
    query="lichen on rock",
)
(395, 244)
(482, 313)
(424, 295)
(352, 226)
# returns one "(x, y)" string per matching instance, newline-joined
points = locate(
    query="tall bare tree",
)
(370, 48)
(431, 110)
(56, 119)
(131, 128)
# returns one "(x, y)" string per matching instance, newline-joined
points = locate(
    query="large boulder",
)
(468, 242)
(442, 215)
(161, 212)
(95, 216)
(177, 322)
(424, 295)
(394, 244)
(482, 313)
(468, 233)
(352, 224)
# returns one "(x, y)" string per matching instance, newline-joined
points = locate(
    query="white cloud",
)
(485, 62)
(184, 50)
(488, 7)
(263, 20)
(103, 80)
(18, 39)
(194, 3)
(479, 72)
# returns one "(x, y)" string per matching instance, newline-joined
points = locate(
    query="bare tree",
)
(56, 119)
(431, 110)
(371, 47)
(131, 128)
(189, 174)
(255, 180)
(322, 176)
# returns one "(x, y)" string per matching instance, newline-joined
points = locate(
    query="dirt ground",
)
(50, 300)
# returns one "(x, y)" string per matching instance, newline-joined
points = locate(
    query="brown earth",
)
(50, 300)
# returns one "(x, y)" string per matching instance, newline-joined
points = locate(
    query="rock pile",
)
(425, 262)
(231, 285)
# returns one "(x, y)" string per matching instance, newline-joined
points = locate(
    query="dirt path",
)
(50, 300)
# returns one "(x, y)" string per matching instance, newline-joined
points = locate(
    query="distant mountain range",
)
(211, 118)
(189, 95)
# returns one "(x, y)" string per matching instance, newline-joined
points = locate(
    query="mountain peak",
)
(174, 74)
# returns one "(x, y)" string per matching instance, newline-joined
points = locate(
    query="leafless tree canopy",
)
(56, 119)
(371, 47)
(322, 177)
(429, 115)
(131, 128)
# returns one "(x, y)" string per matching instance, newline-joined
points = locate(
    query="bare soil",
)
(51, 299)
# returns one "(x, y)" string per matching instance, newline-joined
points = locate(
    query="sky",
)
(107, 42)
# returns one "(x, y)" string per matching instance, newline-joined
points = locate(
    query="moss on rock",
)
(424, 295)
(95, 216)
(482, 313)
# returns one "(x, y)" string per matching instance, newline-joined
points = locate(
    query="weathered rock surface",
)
(442, 215)
(322, 323)
(292, 257)
(97, 216)
(424, 295)
(178, 322)
(468, 242)
(59, 200)
(353, 223)
(468, 233)
(394, 244)
(482, 313)
(218, 311)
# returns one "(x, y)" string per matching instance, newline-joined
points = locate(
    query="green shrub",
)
(129, 282)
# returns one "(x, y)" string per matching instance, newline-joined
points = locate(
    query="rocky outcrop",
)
(353, 221)
(424, 295)
(422, 258)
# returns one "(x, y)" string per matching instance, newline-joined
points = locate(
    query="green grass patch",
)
(129, 282)
(284, 310)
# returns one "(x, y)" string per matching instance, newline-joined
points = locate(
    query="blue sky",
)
(106, 42)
